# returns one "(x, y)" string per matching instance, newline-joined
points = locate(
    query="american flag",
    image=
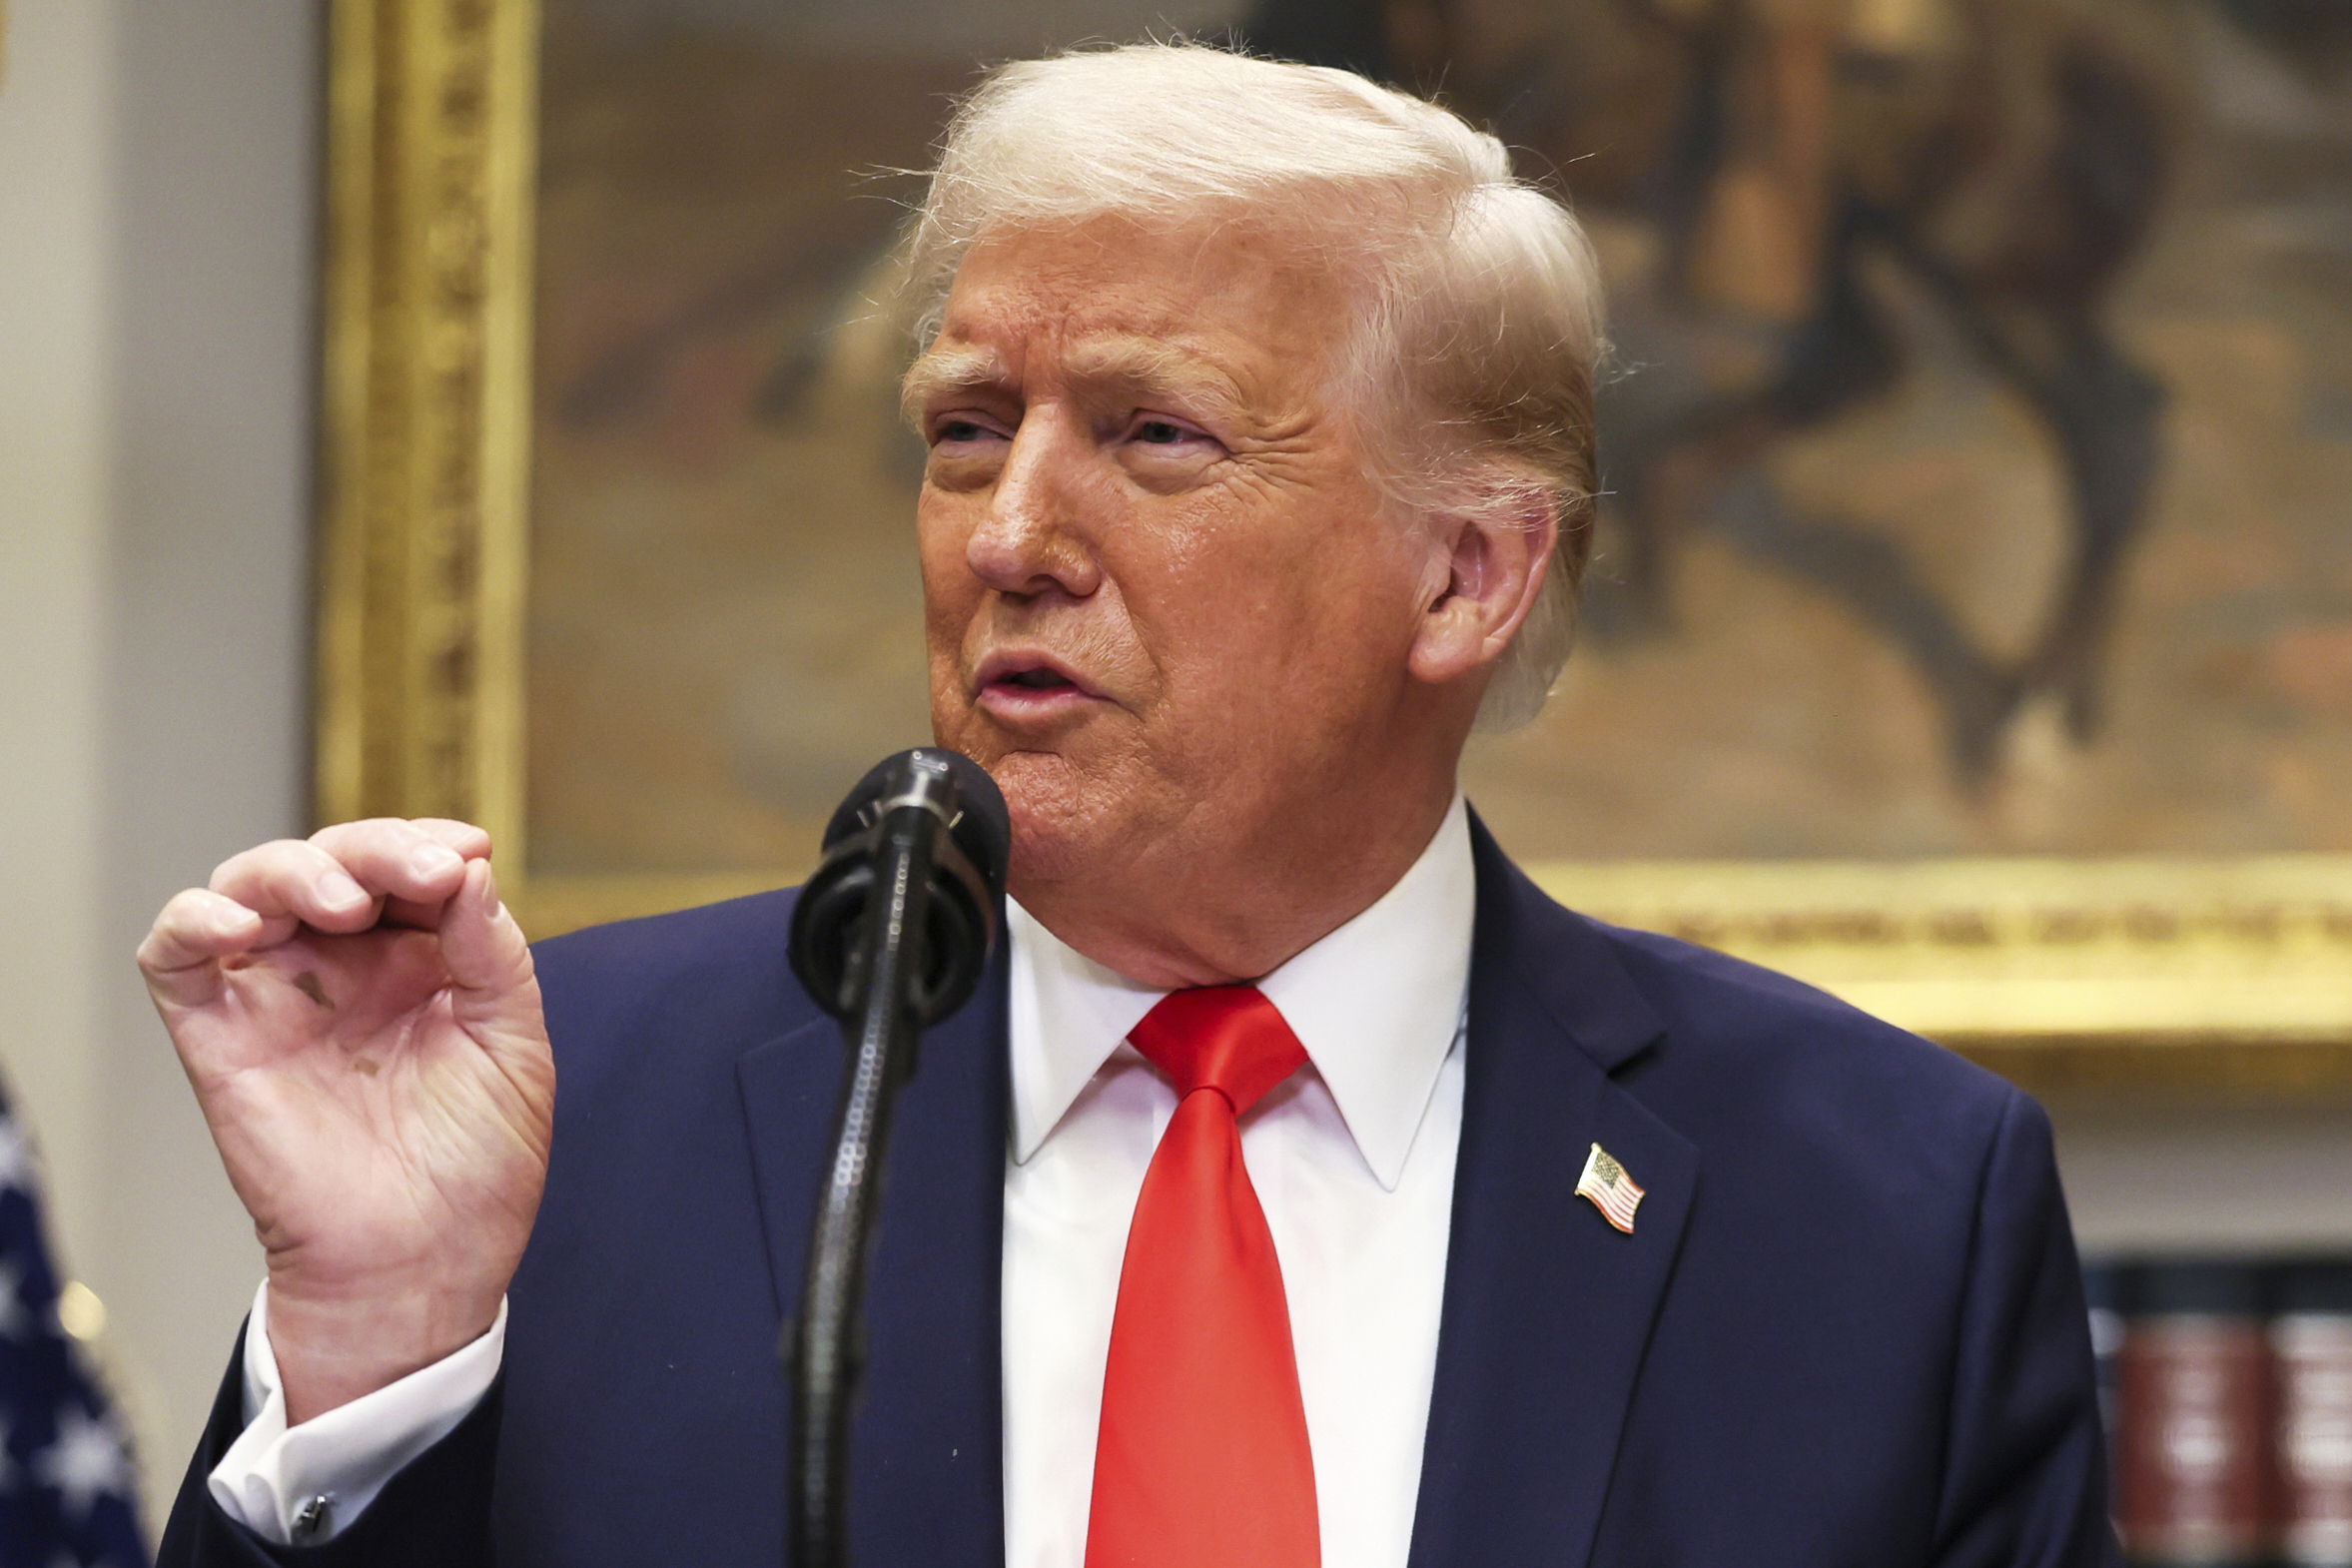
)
(1613, 1191)
(67, 1486)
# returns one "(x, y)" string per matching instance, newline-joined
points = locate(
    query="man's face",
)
(1165, 607)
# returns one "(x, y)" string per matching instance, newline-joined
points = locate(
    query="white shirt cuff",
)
(274, 1471)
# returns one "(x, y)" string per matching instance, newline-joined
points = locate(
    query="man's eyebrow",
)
(948, 370)
(1154, 365)
(1127, 365)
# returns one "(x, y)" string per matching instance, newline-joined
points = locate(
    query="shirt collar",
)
(1376, 1004)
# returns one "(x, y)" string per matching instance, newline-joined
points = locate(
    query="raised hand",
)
(359, 1015)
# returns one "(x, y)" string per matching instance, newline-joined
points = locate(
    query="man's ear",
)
(1485, 574)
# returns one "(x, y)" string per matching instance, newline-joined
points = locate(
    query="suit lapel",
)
(1548, 1308)
(926, 1460)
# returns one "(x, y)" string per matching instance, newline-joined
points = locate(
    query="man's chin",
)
(1059, 789)
(1057, 827)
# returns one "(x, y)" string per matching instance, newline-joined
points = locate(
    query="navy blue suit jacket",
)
(1847, 1331)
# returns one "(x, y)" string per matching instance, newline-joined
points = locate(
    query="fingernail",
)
(337, 891)
(434, 860)
(489, 893)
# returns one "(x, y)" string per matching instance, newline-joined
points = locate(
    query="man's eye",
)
(1161, 432)
(947, 431)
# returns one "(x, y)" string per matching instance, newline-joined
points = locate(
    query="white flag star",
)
(85, 1463)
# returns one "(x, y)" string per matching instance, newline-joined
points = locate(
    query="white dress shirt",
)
(274, 1471)
(1352, 1160)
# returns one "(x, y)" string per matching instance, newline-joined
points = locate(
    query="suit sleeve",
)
(2024, 1476)
(435, 1510)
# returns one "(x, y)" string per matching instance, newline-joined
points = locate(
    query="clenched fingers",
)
(180, 957)
(394, 847)
(415, 864)
(335, 885)
(291, 878)
(467, 840)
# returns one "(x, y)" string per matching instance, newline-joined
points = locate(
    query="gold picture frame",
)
(2171, 976)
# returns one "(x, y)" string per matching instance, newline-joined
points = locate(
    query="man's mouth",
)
(1036, 681)
(1028, 685)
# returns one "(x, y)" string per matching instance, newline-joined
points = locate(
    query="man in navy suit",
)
(1259, 405)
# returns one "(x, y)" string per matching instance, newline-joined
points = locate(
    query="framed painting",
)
(1971, 630)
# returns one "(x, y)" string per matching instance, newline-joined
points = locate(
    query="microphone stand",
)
(886, 966)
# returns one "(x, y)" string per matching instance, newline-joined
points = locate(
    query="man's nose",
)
(1033, 538)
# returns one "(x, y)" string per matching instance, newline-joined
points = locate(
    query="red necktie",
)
(1202, 1460)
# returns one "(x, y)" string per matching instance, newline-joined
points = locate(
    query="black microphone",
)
(892, 934)
(832, 939)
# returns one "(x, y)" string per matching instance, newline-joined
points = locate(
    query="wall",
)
(56, 232)
(2230, 1180)
(156, 189)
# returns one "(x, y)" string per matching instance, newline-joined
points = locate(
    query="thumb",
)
(495, 992)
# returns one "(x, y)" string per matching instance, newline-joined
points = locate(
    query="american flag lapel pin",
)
(1613, 1191)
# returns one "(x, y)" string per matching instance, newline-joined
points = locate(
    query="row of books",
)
(2227, 1388)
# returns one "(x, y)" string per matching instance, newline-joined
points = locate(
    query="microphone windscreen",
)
(983, 829)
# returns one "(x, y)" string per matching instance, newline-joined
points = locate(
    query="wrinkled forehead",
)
(1207, 309)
